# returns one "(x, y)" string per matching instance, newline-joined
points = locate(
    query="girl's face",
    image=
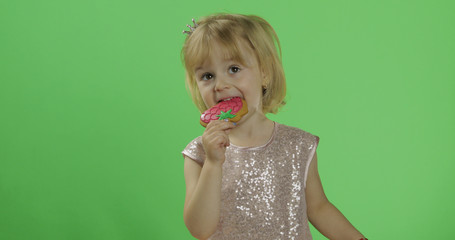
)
(220, 78)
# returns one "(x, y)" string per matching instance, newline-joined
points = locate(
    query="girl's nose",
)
(221, 83)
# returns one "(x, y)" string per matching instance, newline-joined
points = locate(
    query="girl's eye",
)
(234, 69)
(206, 76)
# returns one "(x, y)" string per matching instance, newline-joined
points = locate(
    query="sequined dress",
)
(263, 188)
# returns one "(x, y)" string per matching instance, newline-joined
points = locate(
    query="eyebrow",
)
(227, 60)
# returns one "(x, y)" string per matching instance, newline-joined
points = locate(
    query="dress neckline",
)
(275, 127)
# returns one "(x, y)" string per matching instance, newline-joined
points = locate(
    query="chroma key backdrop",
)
(94, 113)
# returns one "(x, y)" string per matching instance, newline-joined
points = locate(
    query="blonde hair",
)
(228, 29)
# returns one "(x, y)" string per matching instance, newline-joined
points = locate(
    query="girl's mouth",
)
(226, 99)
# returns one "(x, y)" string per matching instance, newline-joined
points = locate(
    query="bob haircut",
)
(228, 30)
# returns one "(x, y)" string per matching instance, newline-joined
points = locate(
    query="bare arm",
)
(202, 204)
(324, 216)
(203, 185)
(330, 222)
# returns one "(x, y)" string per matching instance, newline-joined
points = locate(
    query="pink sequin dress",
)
(263, 188)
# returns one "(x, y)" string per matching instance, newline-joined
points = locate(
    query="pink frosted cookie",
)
(232, 109)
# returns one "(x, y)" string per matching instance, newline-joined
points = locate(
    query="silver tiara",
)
(191, 28)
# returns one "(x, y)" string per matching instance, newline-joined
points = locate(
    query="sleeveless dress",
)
(263, 188)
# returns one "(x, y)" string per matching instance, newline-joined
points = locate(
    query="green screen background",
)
(94, 113)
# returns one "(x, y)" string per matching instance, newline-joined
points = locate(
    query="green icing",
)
(226, 115)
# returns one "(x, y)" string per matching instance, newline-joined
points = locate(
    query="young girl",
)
(256, 179)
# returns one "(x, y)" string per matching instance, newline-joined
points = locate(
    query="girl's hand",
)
(215, 140)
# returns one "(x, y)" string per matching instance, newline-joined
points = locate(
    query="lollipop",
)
(232, 109)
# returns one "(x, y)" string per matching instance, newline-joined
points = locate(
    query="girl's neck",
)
(255, 132)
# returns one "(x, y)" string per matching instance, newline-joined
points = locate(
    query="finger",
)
(220, 141)
(219, 126)
(217, 134)
(228, 125)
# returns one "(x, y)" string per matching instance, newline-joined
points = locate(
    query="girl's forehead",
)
(239, 52)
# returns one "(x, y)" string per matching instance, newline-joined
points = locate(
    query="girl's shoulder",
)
(197, 140)
(290, 132)
(195, 150)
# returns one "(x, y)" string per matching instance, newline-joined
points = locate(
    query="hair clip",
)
(191, 28)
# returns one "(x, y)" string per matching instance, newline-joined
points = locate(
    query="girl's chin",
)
(251, 114)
